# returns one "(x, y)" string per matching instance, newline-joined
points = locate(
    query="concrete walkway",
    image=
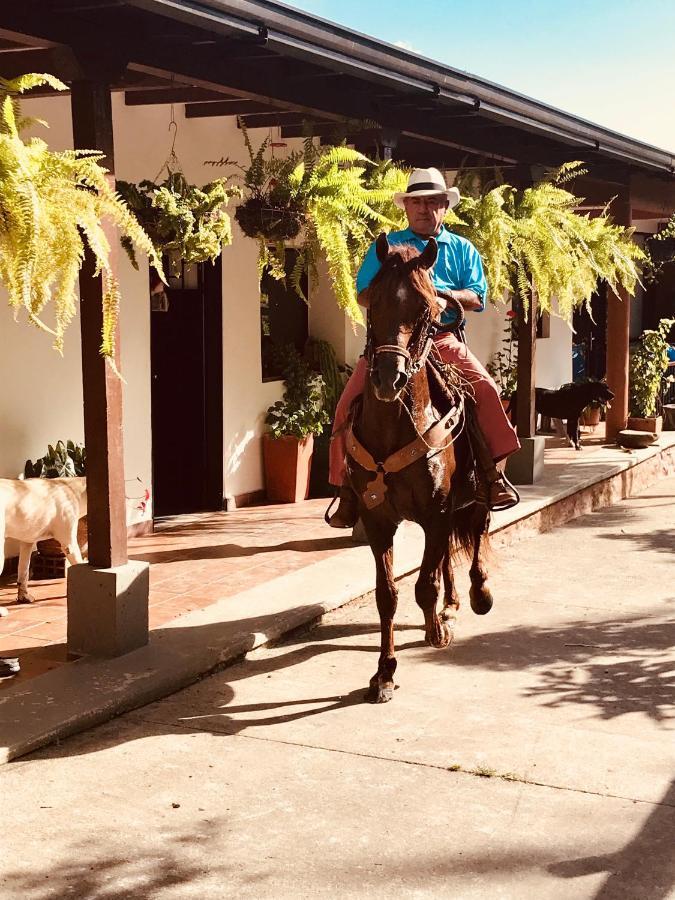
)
(533, 759)
(223, 584)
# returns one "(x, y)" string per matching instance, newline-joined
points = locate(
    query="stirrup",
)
(327, 514)
(350, 506)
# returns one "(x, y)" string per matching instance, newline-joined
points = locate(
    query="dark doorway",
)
(590, 337)
(187, 392)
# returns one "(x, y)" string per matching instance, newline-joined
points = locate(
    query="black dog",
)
(567, 402)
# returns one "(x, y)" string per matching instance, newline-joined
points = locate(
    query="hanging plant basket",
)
(257, 217)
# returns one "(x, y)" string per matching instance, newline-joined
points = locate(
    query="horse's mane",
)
(395, 269)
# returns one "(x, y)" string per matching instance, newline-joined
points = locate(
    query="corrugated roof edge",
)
(312, 36)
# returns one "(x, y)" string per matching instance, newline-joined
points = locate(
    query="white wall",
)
(41, 392)
(554, 355)
(485, 332)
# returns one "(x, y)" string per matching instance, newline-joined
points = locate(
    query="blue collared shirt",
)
(457, 267)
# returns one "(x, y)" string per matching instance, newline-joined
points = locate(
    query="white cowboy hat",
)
(426, 183)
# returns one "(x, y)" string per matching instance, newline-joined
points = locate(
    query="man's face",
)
(426, 214)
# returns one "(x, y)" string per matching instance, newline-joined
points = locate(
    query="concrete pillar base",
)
(108, 609)
(526, 466)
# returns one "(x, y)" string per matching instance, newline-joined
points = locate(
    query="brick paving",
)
(195, 560)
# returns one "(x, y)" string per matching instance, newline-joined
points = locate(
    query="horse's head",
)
(402, 301)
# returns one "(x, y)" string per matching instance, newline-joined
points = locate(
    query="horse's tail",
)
(468, 525)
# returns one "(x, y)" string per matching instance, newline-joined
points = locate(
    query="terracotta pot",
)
(591, 416)
(287, 467)
(652, 423)
(506, 402)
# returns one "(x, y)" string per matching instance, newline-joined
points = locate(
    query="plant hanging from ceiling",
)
(184, 222)
(534, 240)
(52, 205)
(530, 240)
(332, 201)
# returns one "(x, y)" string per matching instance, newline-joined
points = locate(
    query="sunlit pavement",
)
(534, 758)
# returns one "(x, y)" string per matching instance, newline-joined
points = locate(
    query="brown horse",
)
(406, 460)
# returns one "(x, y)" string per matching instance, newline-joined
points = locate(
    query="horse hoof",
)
(441, 638)
(481, 600)
(449, 613)
(380, 693)
(25, 598)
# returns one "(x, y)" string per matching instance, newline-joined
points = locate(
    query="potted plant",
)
(269, 212)
(293, 422)
(648, 362)
(184, 222)
(331, 200)
(63, 460)
(591, 415)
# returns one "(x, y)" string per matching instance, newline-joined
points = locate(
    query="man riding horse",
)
(457, 275)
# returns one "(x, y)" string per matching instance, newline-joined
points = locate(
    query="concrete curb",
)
(85, 693)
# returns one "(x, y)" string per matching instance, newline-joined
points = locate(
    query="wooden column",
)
(102, 388)
(618, 334)
(526, 422)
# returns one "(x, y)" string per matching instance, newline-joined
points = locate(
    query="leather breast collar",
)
(433, 441)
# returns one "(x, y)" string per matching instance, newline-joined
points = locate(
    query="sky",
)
(609, 61)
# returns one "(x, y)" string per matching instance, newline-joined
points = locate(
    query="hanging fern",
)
(529, 240)
(181, 217)
(341, 197)
(51, 207)
(535, 240)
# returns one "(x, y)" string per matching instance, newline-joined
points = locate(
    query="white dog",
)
(36, 509)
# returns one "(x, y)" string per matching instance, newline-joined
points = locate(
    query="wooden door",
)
(187, 395)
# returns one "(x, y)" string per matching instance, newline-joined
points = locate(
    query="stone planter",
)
(652, 423)
(287, 467)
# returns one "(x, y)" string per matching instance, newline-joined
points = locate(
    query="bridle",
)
(415, 355)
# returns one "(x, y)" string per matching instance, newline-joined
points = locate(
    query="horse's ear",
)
(428, 256)
(382, 247)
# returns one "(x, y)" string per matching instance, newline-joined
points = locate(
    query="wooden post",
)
(102, 389)
(526, 422)
(618, 334)
(527, 465)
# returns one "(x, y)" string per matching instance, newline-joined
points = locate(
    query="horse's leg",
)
(450, 597)
(381, 537)
(437, 633)
(480, 596)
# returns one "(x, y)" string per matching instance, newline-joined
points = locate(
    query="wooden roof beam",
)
(147, 96)
(233, 107)
(275, 120)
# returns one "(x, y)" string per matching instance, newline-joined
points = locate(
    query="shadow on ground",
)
(581, 671)
(644, 868)
(235, 551)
